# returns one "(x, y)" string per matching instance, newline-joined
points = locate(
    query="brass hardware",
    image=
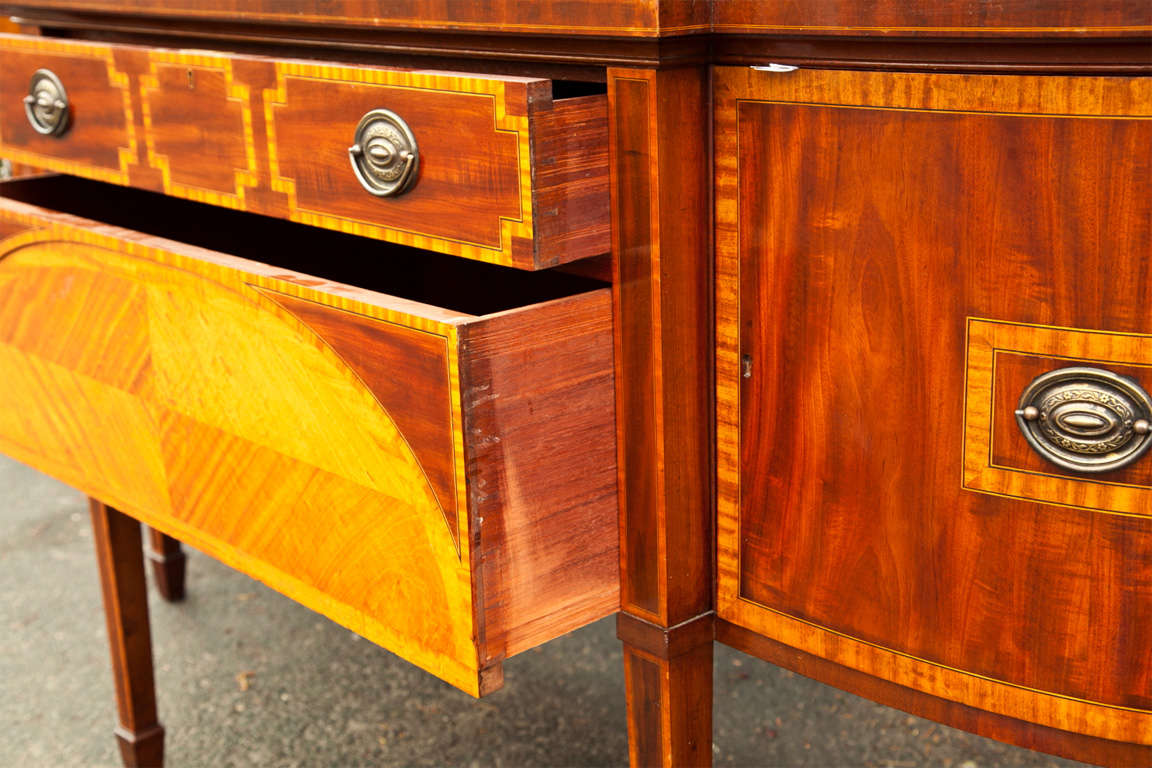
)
(384, 156)
(774, 67)
(46, 104)
(1086, 419)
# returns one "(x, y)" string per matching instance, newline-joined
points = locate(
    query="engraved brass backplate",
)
(1086, 419)
(384, 155)
(46, 104)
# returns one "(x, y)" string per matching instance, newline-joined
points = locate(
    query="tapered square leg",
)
(668, 678)
(169, 565)
(119, 553)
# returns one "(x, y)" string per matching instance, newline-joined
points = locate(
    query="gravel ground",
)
(246, 677)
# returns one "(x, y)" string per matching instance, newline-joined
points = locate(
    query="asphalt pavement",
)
(246, 677)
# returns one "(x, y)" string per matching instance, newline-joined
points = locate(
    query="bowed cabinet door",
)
(899, 257)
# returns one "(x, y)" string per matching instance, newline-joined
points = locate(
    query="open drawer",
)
(439, 478)
(483, 166)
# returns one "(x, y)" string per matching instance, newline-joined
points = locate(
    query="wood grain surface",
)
(537, 399)
(663, 367)
(11, 170)
(862, 220)
(650, 18)
(664, 403)
(101, 139)
(582, 17)
(989, 724)
(1002, 359)
(231, 405)
(507, 175)
(1108, 18)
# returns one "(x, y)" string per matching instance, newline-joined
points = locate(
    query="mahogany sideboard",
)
(817, 329)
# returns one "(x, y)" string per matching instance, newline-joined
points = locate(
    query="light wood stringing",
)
(507, 176)
(168, 382)
(1080, 347)
(992, 95)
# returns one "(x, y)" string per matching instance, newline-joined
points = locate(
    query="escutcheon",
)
(46, 104)
(1086, 419)
(384, 155)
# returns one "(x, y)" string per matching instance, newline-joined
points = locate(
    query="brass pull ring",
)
(384, 155)
(1086, 419)
(46, 104)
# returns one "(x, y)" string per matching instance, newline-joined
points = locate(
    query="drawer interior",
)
(461, 285)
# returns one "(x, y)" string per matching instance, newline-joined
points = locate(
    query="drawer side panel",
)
(538, 401)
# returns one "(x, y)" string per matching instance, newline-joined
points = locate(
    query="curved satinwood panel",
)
(175, 390)
(864, 221)
(441, 482)
(413, 387)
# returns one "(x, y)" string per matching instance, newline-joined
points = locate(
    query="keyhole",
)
(191, 81)
(746, 366)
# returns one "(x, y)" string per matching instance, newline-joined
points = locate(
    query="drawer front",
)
(899, 256)
(502, 173)
(400, 468)
(1071, 466)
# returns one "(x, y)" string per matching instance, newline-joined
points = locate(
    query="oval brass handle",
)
(1086, 419)
(384, 155)
(46, 104)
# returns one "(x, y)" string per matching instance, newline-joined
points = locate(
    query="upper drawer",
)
(500, 172)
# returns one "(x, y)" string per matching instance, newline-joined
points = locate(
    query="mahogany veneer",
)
(662, 17)
(945, 18)
(829, 477)
(581, 17)
(663, 371)
(869, 226)
(506, 174)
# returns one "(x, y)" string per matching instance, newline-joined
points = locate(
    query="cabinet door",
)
(898, 257)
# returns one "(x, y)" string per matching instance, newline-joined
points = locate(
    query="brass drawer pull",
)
(384, 155)
(47, 104)
(1086, 419)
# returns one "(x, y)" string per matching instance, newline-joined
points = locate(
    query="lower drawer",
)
(435, 472)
